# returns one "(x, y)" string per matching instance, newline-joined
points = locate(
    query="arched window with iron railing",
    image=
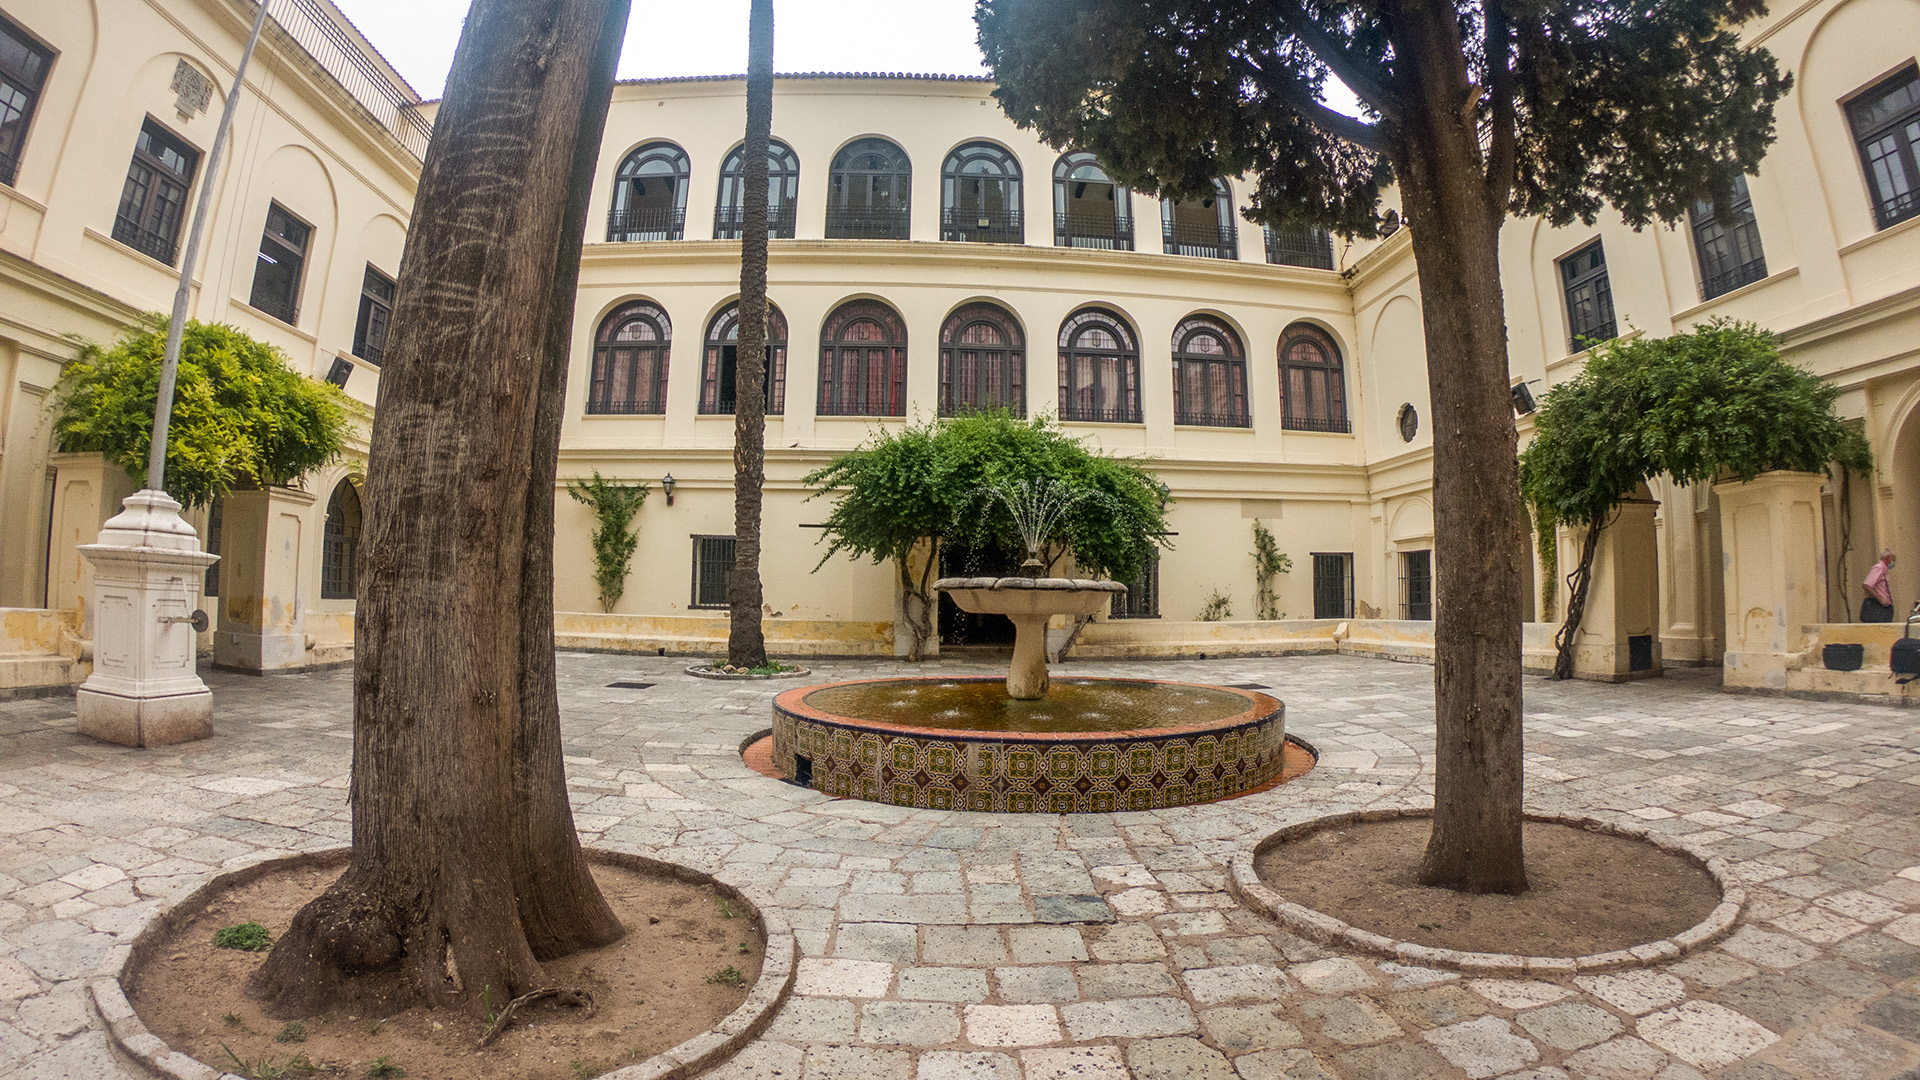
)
(340, 543)
(983, 361)
(1099, 368)
(1313, 384)
(868, 192)
(721, 362)
(630, 361)
(1209, 374)
(649, 195)
(863, 361)
(783, 186)
(980, 195)
(1202, 226)
(1089, 209)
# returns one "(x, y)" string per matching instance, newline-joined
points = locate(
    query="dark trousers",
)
(1872, 610)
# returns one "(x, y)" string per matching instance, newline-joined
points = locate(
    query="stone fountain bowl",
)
(1025, 596)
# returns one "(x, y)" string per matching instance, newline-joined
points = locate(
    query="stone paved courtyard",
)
(943, 945)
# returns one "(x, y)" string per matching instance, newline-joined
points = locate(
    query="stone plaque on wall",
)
(193, 89)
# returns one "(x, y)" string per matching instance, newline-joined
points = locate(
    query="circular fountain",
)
(1029, 744)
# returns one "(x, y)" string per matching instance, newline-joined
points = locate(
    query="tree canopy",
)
(241, 416)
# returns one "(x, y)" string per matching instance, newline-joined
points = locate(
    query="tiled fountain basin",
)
(1051, 773)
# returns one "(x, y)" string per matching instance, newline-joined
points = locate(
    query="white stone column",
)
(265, 536)
(1775, 563)
(1623, 596)
(147, 573)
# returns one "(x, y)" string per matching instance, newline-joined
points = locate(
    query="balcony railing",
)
(1202, 241)
(1730, 279)
(982, 226)
(1898, 208)
(631, 407)
(143, 240)
(647, 223)
(1115, 414)
(1593, 335)
(306, 24)
(867, 223)
(1106, 232)
(1338, 425)
(1308, 247)
(1211, 419)
(9, 166)
(729, 221)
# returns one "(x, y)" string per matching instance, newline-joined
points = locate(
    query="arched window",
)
(1209, 374)
(339, 541)
(1313, 386)
(630, 361)
(783, 184)
(722, 356)
(983, 361)
(649, 195)
(863, 361)
(1202, 226)
(980, 196)
(867, 192)
(1099, 368)
(1089, 209)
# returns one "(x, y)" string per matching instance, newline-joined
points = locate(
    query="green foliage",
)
(293, 1032)
(241, 416)
(246, 936)
(1546, 540)
(614, 506)
(728, 976)
(1717, 402)
(383, 1068)
(1219, 606)
(1269, 562)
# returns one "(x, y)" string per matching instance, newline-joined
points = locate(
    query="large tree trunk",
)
(1456, 219)
(466, 869)
(746, 642)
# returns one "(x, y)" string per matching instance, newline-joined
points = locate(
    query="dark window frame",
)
(1332, 584)
(1220, 240)
(1728, 255)
(1233, 411)
(153, 200)
(1078, 357)
(783, 189)
(721, 355)
(1080, 229)
(975, 220)
(649, 362)
(375, 320)
(216, 512)
(340, 542)
(629, 223)
(1899, 129)
(700, 584)
(285, 252)
(837, 349)
(23, 78)
(1308, 246)
(960, 359)
(1416, 585)
(853, 211)
(1301, 374)
(1588, 294)
(1142, 598)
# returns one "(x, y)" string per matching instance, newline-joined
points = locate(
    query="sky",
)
(709, 37)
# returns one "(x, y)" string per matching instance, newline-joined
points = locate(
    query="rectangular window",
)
(376, 314)
(1729, 251)
(1416, 585)
(213, 546)
(1333, 585)
(1589, 298)
(1300, 245)
(1142, 598)
(1210, 392)
(283, 255)
(1886, 125)
(712, 570)
(153, 203)
(23, 71)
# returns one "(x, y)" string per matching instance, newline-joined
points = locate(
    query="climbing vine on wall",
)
(614, 506)
(1269, 562)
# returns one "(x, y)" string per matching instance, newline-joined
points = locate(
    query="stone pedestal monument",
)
(147, 572)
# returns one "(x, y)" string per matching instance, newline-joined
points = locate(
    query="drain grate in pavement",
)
(1249, 686)
(629, 686)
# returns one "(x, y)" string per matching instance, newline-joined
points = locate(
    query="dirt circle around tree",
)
(1601, 896)
(697, 975)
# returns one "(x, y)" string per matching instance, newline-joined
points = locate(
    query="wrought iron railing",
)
(1202, 241)
(306, 24)
(982, 226)
(648, 223)
(1593, 335)
(729, 221)
(1338, 425)
(629, 407)
(1730, 279)
(1106, 232)
(1893, 210)
(867, 223)
(1308, 247)
(1113, 414)
(1192, 418)
(144, 240)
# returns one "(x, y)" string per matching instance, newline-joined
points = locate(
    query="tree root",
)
(576, 998)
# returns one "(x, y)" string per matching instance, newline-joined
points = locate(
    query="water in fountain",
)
(1070, 705)
(1038, 508)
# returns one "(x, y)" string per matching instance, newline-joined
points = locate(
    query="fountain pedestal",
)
(1029, 602)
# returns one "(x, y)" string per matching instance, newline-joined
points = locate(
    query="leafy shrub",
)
(246, 936)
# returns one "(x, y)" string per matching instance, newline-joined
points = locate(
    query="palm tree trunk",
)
(746, 641)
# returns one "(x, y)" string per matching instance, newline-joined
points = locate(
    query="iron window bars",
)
(1729, 252)
(630, 362)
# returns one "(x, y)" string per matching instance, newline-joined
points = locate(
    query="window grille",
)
(868, 192)
(983, 361)
(153, 202)
(1300, 245)
(215, 511)
(282, 261)
(863, 361)
(630, 361)
(783, 185)
(339, 542)
(1589, 298)
(1089, 209)
(1202, 227)
(1099, 369)
(1416, 584)
(23, 71)
(980, 196)
(712, 570)
(1209, 375)
(1886, 126)
(1142, 598)
(376, 315)
(1333, 585)
(649, 195)
(721, 362)
(1729, 251)
(1313, 385)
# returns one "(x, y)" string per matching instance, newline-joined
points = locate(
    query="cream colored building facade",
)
(901, 227)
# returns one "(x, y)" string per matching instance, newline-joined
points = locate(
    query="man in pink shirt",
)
(1878, 605)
